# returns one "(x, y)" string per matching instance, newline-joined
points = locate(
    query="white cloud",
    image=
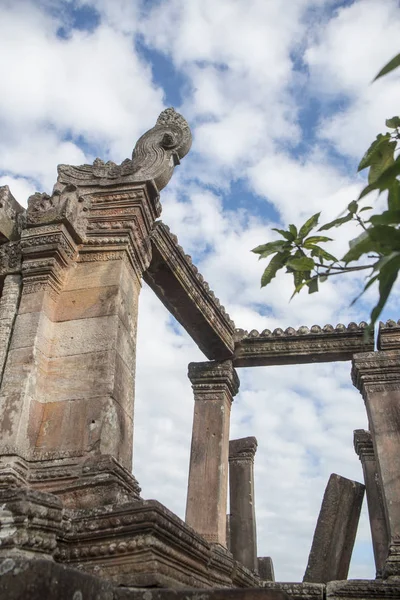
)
(243, 98)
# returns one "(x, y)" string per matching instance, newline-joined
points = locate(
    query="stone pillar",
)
(336, 529)
(266, 568)
(243, 542)
(67, 393)
(9, 302)
(214, 385)
(380, 541)
(377, 376)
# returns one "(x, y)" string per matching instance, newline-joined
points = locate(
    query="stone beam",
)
(376, 510)
(243, 534)
(180, 287)
(304, 345)
(336, 529)
(389, 335)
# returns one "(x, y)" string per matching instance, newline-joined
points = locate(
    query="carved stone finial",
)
(159, 150)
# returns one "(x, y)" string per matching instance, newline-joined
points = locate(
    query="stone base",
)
(143, 544)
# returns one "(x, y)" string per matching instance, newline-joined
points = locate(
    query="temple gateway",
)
(73, 524)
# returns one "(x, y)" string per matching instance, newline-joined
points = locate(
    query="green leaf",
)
(286, 234)
(383, 158)
(322, 278)
(293, 230)
(301, 264)
(313, 285)
(266, 249)
(277, 262)
(390, 66)
(322, 253)
(388, 217)
(337, 222)
(387, 277)
(365, 208)
(367, 285)
(385, 180)
(315, 239)
(308, 225)
(352, 207)
(393, 123)
(366, 161)
(359, 246)
(394, 196)
(387, 237)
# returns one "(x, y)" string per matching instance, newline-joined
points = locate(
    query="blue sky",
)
(281, 109)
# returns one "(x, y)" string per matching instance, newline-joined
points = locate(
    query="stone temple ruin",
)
(72, 521)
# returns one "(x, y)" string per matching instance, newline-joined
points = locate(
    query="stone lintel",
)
(363, 444)
(242, 449)
(214, 376)
(389, 335)
(317, 344)
(180, 287)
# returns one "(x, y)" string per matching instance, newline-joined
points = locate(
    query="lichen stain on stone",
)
(77, 595)
(7, 565)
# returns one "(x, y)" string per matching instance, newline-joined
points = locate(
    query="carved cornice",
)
(242, 449)
(154, 158)
(363, 444)
(65, 206)
(304, 345)
(389, 335)
(181, 288)
(376, 371)
(213, 376)
(11, 216)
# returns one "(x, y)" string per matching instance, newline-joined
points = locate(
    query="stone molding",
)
(242, 449)
(389, 335)
(304, 345)
(363, 444)
(213, 376)
(376, 371)
(182, 289)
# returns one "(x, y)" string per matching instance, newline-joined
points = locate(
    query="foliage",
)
(376, 249)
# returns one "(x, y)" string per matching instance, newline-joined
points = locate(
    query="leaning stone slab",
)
(336, 530)
(359, 589)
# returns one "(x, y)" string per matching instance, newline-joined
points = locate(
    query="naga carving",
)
(154, 157)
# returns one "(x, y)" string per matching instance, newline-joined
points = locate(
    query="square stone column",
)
(377, 376)
(377, 519)
(243, 534)
(214, 385)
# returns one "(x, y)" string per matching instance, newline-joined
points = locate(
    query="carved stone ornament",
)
(154, 157)
(363, 444)
(64, 206)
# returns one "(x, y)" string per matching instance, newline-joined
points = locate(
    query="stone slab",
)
(336, 529)
(358, 589)
(298, 591)
(197, 594)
